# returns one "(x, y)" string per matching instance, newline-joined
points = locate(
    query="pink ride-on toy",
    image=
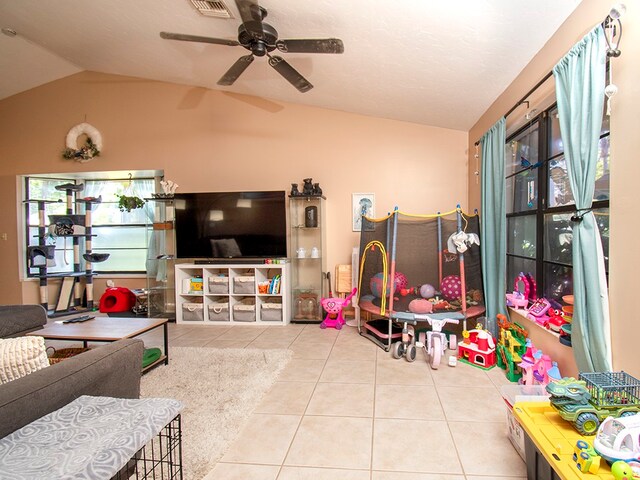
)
(333, 306)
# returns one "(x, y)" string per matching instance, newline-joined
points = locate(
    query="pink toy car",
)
(333, 306)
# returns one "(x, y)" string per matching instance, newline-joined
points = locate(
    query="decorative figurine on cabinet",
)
(169, 188)
(307, 188)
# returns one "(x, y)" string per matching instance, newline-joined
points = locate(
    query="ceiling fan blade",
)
(251, 15)
(236, 70)
(289, 73)
(195, 38)
(325, 45)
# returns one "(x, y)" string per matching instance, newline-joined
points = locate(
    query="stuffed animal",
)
(420, 305)
(461, 241)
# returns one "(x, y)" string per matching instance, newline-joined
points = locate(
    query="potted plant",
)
(128, 203)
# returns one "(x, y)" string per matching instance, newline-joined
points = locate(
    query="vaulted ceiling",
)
(430, 62)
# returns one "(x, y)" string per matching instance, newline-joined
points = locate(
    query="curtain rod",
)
(528, 94)
(524, 98)
(614, 16)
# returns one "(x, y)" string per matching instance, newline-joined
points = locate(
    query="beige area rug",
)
(220, 389)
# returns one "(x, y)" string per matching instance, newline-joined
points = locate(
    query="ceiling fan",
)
(261, 39)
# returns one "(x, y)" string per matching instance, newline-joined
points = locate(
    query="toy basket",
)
(192, 312)
(219, 285)
(244, 285)
(219, 311)
(271, 311)
(63, 353)
(245, 310)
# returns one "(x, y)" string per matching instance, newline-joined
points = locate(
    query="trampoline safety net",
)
(421, 257)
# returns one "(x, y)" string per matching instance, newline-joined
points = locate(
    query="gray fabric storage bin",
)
(219, 285)
(271, 311)
(245, 310)
(244, 285)
(219, 311)
(192, 312)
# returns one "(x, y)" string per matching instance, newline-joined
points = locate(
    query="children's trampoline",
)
(434, 261)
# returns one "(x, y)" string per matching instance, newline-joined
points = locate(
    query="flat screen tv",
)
(231, 225)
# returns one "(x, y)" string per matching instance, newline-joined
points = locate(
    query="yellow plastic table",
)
(554, 439)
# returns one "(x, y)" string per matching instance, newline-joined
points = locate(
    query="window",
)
(540, 205)
(121, 234)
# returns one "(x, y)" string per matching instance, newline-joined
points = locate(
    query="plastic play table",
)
(549, 444)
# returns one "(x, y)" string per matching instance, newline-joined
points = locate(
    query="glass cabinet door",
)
(308, 264)
(161, 259)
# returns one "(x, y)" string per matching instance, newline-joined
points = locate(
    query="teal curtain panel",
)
(580, 83)
(493, 220)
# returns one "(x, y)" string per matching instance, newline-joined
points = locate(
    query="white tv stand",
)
(227, 292)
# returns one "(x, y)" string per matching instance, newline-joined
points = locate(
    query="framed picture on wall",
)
(362, 204)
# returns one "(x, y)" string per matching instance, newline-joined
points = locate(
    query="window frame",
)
(33, 272)
(542, 208)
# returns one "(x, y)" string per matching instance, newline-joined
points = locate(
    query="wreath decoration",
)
(91, 148)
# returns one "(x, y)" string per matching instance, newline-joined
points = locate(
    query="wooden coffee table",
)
(106, 329)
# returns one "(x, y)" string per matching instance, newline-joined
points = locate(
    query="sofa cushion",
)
(21, 356)
(112, 370)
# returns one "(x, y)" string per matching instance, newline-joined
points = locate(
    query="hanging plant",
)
(91, 148)
(127, 203)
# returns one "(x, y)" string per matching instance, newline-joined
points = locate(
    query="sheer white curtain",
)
(107, 215)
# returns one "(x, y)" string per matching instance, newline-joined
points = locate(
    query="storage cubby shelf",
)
(232, 294)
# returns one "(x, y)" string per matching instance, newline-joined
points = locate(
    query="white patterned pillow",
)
(21, 356)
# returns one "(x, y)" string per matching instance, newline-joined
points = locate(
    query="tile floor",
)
(345, 409)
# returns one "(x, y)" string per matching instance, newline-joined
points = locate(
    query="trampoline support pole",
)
(392, 271)
(463, 286)
(439, 250)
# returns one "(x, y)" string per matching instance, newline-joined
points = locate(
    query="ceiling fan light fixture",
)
(259, 49)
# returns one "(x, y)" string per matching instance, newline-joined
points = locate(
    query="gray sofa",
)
(112, 370)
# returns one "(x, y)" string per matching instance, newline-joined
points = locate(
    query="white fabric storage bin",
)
(192, 312)
(219, 311)
(271, 311)
(245, 310)
(244, 285)
(219, 285)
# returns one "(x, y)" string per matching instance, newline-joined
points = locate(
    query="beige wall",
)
(625, 169)
(207, 140)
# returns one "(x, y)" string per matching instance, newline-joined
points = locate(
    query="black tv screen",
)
(220, 225)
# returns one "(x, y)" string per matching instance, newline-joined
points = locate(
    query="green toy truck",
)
(593, 397)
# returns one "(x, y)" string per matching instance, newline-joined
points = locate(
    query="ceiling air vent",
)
(212, 9)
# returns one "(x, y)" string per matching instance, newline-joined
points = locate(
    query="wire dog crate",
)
(160, 459)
